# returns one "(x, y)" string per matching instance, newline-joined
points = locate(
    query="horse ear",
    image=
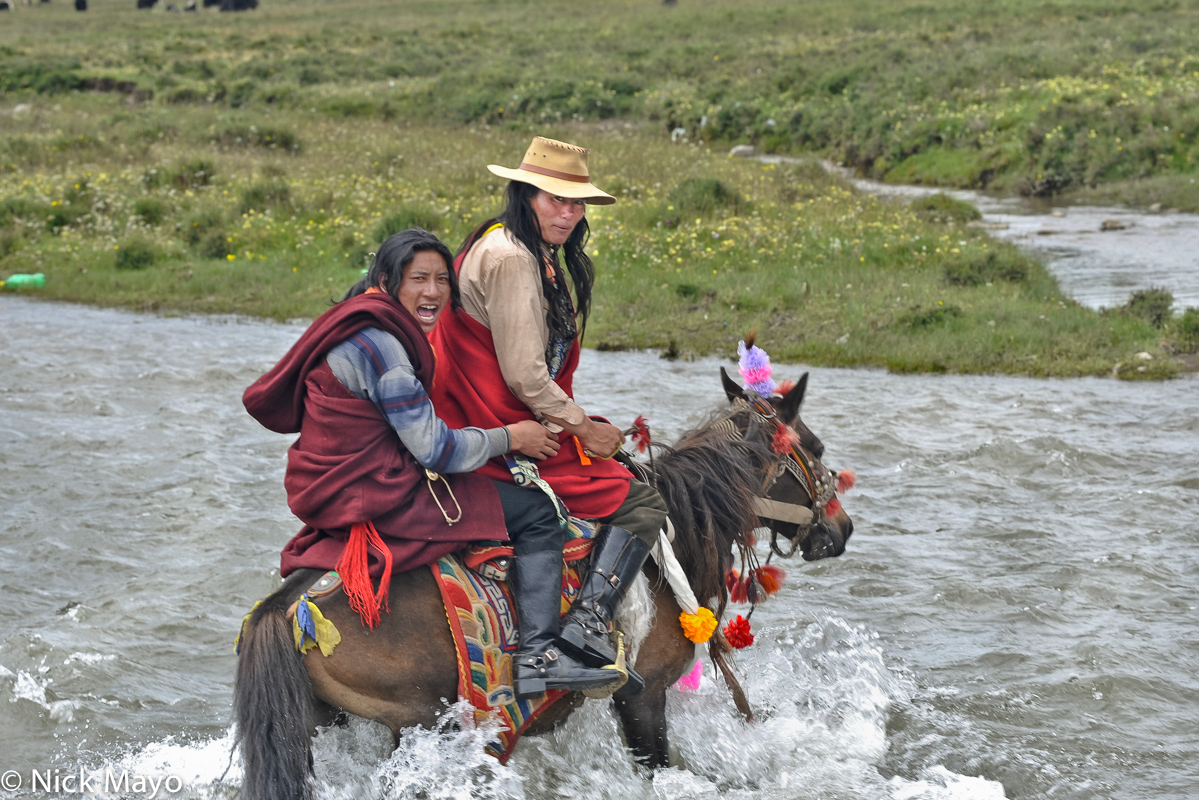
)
(731, 387)
(788, 410)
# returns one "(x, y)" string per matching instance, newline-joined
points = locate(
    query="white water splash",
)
(939, 783)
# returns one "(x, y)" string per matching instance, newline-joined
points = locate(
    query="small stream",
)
(1098, 268)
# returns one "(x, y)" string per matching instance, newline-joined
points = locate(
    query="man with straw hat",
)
(510, 354)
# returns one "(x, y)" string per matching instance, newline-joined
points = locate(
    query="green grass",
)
(250, 163)
(1022, 95)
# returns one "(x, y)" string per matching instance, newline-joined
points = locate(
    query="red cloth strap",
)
(355, 575)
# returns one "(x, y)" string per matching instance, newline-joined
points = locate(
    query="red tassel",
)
(739, 593)
(833, 508)
(641, 433)
(785, 438)
(738, 634)
(845, 480)
(785, 387)
(770, 578)
(354, 568)
(730, 579)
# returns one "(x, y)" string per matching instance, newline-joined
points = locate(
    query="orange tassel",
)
(833, 508)
(845, 480)
(354, 568)
(785, 387)
(771, 578)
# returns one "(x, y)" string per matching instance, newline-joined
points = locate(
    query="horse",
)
(720, 482)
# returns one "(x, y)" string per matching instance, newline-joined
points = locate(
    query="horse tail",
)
(273, 705)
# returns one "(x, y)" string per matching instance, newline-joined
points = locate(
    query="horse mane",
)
(709, 481)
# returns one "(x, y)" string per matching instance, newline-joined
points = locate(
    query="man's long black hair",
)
(519, 218)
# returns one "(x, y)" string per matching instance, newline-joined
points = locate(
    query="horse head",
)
(798, 499)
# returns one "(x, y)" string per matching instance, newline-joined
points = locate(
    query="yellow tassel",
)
(698, 627)
(242, 629)
(327, 635)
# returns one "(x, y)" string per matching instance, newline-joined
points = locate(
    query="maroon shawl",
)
(348, 466)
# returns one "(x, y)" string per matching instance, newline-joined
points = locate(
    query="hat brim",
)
(573, 190)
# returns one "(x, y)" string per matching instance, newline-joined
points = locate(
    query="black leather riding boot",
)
(539, 664)
(615, 561)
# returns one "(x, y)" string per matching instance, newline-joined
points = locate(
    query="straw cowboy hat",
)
(558, 168)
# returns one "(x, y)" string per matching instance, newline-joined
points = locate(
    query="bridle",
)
(794, 460)
(816, 480)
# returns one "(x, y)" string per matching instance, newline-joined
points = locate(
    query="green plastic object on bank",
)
(24, 281)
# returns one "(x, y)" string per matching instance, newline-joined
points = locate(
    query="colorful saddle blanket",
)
(481, 617)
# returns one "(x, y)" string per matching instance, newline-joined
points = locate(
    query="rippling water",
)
(1016, 615)
(1098, 268)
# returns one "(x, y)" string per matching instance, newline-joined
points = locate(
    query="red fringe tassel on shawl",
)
(354, 569)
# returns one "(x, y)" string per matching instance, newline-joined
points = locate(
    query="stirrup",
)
(626, 684)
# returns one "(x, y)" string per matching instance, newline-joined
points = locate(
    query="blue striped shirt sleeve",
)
(374, 366)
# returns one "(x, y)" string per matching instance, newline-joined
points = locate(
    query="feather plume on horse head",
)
(754, 366)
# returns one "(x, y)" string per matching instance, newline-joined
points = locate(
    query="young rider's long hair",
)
(518, 217)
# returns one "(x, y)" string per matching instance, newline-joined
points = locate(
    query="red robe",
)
(349, 466)
(470, 390)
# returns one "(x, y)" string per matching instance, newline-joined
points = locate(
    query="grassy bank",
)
(1018, 95)
(274, 213)
(248, 163)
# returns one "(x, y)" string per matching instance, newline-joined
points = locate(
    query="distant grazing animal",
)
(238, 5)
(191, 5)
(4, 5)
(208, 3)
(81, 5)
(147, 3)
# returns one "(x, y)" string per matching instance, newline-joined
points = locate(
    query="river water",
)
(1098, 268)
(1017, 614)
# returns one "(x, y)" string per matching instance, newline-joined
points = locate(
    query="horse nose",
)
(847, 527)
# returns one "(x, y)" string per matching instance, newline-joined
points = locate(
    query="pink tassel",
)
(845, 480)
(785, 438)
(690, 681)
(833, 508)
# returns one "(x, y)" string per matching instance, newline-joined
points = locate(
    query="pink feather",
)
(690, 681)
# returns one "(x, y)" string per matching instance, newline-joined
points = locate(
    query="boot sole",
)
(538, 687)
(583, 646)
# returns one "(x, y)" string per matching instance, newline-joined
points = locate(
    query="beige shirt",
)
(500, 284)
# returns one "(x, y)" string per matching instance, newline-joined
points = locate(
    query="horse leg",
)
(403, 672)
(661, 660)
(273, 701)
(643, 718)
